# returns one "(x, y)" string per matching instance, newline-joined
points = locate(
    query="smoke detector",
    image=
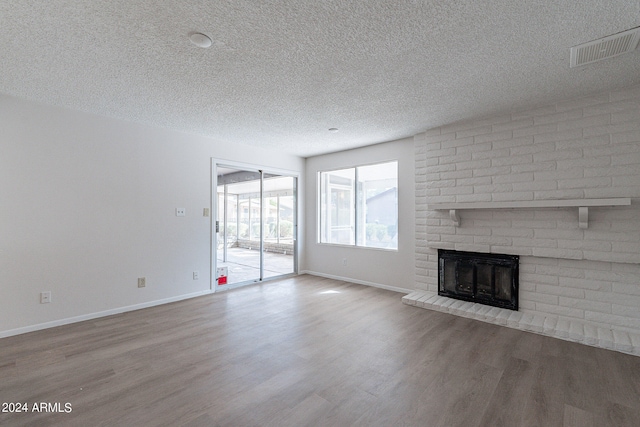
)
(608, 47)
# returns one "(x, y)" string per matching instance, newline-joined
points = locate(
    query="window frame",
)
(355, 206)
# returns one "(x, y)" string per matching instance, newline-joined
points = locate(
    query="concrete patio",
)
(244, 264)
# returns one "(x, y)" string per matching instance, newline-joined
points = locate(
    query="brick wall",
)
(582, 148)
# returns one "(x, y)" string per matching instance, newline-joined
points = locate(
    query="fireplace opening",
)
(490, 279)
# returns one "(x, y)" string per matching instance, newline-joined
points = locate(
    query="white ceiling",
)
(281, 73)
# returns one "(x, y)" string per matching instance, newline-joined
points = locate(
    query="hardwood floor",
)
(311, 351)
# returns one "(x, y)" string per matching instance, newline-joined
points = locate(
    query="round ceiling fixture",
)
(200, 40)
(333, 130)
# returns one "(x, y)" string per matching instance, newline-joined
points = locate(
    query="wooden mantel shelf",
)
(583, 206)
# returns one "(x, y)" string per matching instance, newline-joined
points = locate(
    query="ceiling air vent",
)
(607, 47)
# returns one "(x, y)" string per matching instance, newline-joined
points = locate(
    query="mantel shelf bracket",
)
(454, 217)
(583, 217)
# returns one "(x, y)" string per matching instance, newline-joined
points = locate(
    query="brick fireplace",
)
(581, 149)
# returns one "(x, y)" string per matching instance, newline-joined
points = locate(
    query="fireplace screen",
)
(490, 279)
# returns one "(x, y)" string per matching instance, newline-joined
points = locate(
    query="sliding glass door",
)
(255, 225)
(278, 209)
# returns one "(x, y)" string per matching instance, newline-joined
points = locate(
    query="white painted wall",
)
(389, 269)
(87, 205)
(578, 148)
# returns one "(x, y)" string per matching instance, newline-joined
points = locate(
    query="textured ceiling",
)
(280, 73)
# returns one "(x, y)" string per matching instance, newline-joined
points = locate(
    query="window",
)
(359, 206)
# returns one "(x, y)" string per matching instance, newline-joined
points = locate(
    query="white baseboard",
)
(90, 316)
(359, 282)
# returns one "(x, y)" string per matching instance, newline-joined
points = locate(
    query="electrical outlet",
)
(142, 282)
(196, 275)
(180, 212)
(45, 297)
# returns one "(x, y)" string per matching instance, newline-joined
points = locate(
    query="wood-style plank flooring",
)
(309, 351)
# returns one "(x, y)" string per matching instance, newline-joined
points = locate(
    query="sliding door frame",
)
(215, 163)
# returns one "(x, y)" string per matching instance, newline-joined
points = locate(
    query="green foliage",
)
(244, 231)
(377, 231)
(232, 230)
(392, 229)
(286, 228)
(255, 230)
